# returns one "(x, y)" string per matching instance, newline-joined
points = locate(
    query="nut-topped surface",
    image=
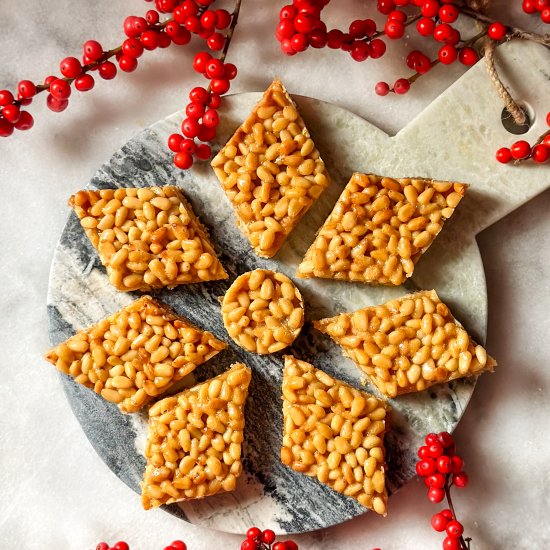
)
(409, 344)
(194, 440)
(147, 237)
(334, 433)
(271, 171)
(136, 354)
(263, 311)
(379, 228)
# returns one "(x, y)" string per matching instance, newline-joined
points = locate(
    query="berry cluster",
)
(521, 150)
(441, 468)
(202, 115)
(257, 539)
(542, 7)
(176, 545)
(146, 33)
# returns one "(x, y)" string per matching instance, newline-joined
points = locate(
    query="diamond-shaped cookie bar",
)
(147, 237)
(195, 440)
(271, 171)
(407, 345)
(136, 354)
(334, 433)
(379, 228)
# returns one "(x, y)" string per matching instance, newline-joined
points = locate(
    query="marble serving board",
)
(454, 139)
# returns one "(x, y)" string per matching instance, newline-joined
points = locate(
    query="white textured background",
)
(56, 492)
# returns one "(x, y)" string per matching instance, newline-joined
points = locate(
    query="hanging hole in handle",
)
(512, 126)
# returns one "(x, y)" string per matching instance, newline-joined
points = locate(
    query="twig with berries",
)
(441, 468)
(256, 539)
(202, 115)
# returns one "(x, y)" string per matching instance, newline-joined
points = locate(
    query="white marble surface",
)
(56, 491)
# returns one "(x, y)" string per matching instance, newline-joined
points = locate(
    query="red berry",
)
(423, 452)
(198, 94)
(359, 50)
(290, 545)
(174, 142)
(56, 105)
(439, 522)
(457, 462)
(25, 122)
(224, 19)
(70, 67)
(401, 86)
(422, 64)
(385, 6)
(60, 89)
(179, 545)
(181, 38)
(183, 160)
(127, 63)
(211, 118)
(214, 101)
(193, 24)
(460, 479)
(545, 15)
(253, 533)
(304, 23)
(299, 42)
(214, 69)
(547, 116)
(11, 113)
(209, 19)
(444, 464)
(454, 529)
(451, 544)
(377, 48)
(132, 47)
(357, 28)
(520, 149)
(102, 546)
(394, 29)
(134, 26)
(468, 56)
(436, 480)
(447, 54)
(529, 6)
(382, 88)
(26, 89)
(220, 85)
(6, 98)
(216, 41)
(195, 110)
(431, 438)
(425, 26)
(504, 156)
(200, 61)
(435, 450)
(430, 8)
(121, 545)
(190, 127)
(229, 71)
(188, 146)
(447, 513)
(93, 50)
(152, 17)
(335, 38)
(435, 494)
(496, 31)
(203, 151)
(268, 536)
(107, 70)
(279, 546)
(288, 12)
(540, 153)
(317, 38)
(6, 128)
(206, 133)
(150, 39)
(249, 545)
(541, 4)
(448, 13)
(425, 467)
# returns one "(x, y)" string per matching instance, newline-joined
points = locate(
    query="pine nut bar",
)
(147, 237)
(194, 441)
(136, 354)
(263, 311)
(379, 229)
(407, 345)
(334, 433)
(271, 171)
